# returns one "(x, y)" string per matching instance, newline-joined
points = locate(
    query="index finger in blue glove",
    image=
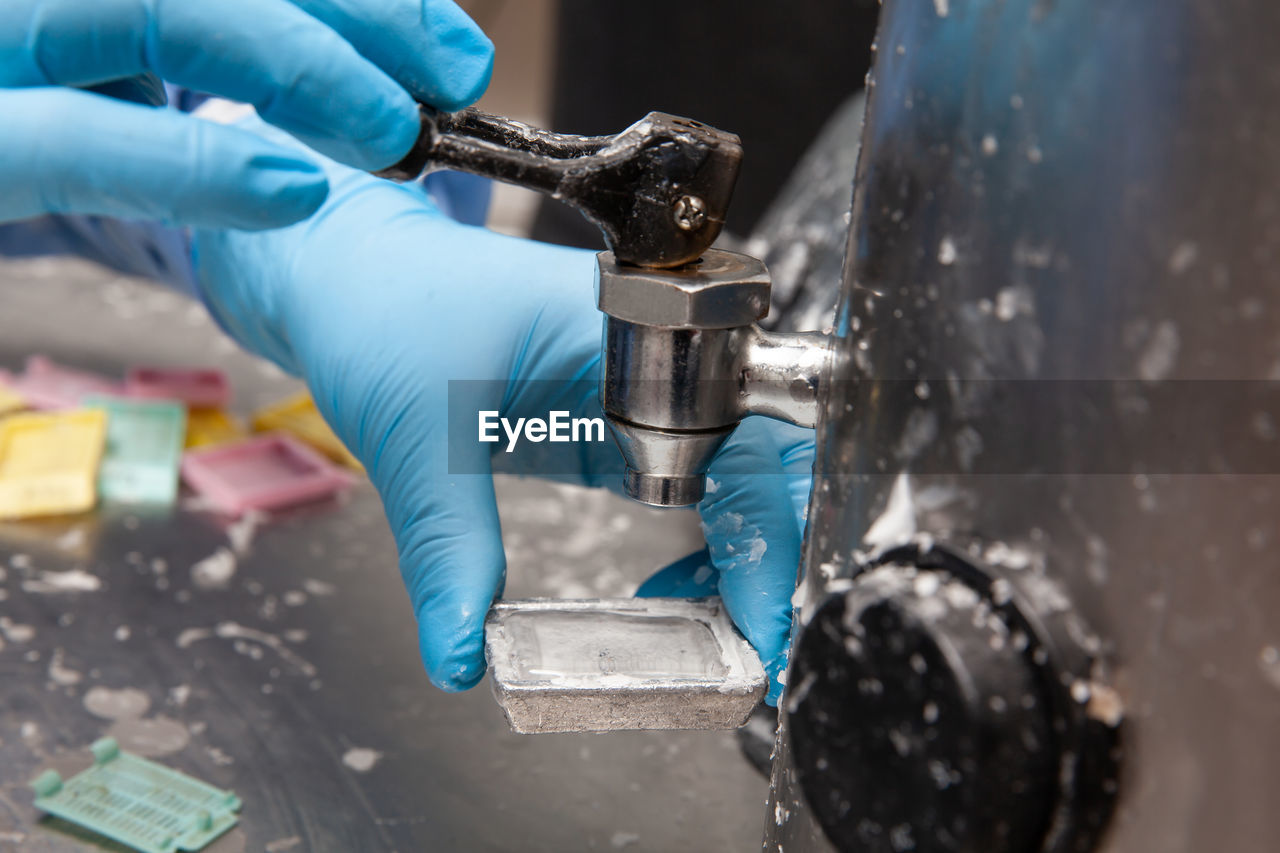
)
(445, 525)
(300, 74)
(451, 558)
(136, 164)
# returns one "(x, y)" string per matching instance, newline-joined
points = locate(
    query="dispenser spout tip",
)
(664, 491)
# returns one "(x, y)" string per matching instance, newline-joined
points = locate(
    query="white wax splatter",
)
(316, 587)
(897, 524)
(73, 580)
(214, 571)
(61, 675)
(947, 252)
(360, 759)
(240, 533)
(119, 704)
(15, 632)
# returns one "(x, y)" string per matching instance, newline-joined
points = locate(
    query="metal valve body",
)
(685, 362)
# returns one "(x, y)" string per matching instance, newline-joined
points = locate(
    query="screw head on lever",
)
(690, 212)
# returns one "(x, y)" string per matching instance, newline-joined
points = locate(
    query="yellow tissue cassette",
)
(207, 427)
(10, 402)
(49, 462)
(298, 416)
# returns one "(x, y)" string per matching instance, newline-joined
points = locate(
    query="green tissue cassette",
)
(137, 802)
(144, 450)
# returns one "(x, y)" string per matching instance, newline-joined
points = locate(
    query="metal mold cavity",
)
(617, 664)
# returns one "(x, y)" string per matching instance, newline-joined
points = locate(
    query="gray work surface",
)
(298, 684)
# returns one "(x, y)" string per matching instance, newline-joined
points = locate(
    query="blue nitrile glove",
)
(341, 75)
(378, 301)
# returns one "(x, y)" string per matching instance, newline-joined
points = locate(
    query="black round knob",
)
(919, 722)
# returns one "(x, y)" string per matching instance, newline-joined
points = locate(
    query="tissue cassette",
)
(615, 664)
(10, 400)
(49, 462)
(298, 416)
(266, 473)
(207, 427)
(45, 384)
(195, 387)
(144, 449)
(142, 804)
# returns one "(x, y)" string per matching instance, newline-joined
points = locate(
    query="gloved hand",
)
(378, 301)
(341, 75)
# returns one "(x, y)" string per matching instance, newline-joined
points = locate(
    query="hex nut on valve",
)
(722, 290)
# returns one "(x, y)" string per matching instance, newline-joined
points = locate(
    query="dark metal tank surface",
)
(1056, 395)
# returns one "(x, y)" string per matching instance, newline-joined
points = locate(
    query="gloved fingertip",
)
(776, 672)
(467, 80)
(459, 678)
(384, 143)
(453, 664)
(463, 63)
(286, 165)
(287, 188)
(452, 596)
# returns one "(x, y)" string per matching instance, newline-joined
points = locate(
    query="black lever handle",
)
(659, 190)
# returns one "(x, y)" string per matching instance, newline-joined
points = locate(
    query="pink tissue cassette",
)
(195, 387)
(46, 385)
(272, 471)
